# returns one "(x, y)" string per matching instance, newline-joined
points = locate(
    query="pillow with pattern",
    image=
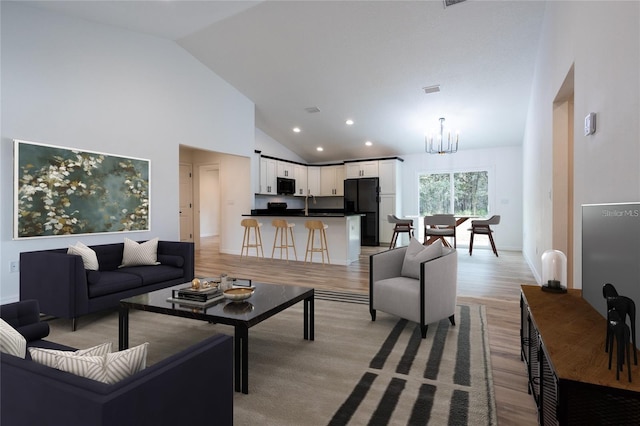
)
(12, 342)
(109, 368)
(136, 254)
(89, 257)
(50, 357)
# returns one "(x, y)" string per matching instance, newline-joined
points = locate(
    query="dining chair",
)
(439, 226)
(400, 225)
(483, 227)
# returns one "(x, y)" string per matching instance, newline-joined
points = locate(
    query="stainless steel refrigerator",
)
(363, 196)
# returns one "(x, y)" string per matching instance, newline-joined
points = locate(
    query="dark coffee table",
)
(266, 301)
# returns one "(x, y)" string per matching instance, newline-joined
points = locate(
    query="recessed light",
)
(296, 129)
(368, 143)
(349, 122)
(320, 149)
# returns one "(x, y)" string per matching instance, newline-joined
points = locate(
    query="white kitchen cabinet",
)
(300, 175)
(387, 207)
(268, 179)
(313, 180)
(332, 181)
(389, 174)
(361, 169)
(286, 169)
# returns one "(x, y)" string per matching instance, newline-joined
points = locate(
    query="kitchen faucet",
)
(306, 203)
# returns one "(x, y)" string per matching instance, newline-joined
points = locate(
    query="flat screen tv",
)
(611, 252)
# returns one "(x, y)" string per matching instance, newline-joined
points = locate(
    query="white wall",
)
(78, 84)
(209, 201)
(505, 180)
(602, 41)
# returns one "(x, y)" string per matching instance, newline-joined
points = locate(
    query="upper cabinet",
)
(300, 175)
(268, 181)
(389, 173)
(332, 180)
(285, 169)
(362, 169)
(313, 180)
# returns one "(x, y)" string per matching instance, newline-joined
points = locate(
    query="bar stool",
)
(401, 225)
(313, 226)
(250, 224)
(282, 226)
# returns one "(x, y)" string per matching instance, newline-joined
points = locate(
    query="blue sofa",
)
(192, 387)
(65, 289)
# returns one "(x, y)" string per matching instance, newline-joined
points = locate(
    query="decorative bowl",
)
(238, 293)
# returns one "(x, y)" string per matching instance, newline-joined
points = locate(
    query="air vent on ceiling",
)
(312, 110)
(448, 3)
(431, 89)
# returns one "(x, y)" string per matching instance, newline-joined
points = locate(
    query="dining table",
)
(459, 221)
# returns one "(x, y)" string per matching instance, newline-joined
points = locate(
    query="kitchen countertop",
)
(300, 213)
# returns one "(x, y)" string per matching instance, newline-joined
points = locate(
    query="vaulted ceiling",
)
(367, 61)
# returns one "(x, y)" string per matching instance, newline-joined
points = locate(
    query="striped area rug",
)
(355, 372)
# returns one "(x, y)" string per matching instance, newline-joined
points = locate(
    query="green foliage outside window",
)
(460, 193)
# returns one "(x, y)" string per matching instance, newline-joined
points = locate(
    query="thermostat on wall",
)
(590, 124)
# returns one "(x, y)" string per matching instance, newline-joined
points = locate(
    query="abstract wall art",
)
(65, 191)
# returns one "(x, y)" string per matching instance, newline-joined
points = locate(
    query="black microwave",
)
(286, 186)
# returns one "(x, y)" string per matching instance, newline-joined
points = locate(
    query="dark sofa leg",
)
(373, 314)
(452, 318)
(73, 324)
(423, 330)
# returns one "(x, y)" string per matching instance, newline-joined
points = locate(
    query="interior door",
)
(186, 202)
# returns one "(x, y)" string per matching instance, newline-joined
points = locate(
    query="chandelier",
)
(440, 146)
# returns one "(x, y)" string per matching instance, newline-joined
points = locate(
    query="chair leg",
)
(323, 233)
(293, 244)
(493, 244)
(452, 319)
(373, 314)
(423, 330)
(393, 240)
(259, 234)
(471, 244)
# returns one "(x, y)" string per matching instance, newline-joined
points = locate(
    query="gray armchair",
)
(426, 299)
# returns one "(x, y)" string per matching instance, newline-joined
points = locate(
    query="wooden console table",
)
(563, 342)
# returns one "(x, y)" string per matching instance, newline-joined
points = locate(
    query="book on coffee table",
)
(195, 303)
(200, 295)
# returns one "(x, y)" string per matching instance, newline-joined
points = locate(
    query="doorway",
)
(186, 202)
(562, 182)
(209, 175)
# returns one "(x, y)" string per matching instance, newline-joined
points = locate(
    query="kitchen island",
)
(343, 234)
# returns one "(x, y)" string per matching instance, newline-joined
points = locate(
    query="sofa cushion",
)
(171, 260)
(89, 257)
(416, 254)
(112, 282)
(109, 368)
(12, 342)
(139, 253)
(154, 274)
(93, 277)
(50, 357)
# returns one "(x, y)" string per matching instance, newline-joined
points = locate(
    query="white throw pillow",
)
(416, 254)
(89, 257)
(140, 254)
(109, 368)
(12, 342)
(50, 357)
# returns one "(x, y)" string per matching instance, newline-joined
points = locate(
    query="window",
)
(459, 193)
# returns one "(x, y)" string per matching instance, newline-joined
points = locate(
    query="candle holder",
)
(554, 271)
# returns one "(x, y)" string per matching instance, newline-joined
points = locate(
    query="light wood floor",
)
(482, 278)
